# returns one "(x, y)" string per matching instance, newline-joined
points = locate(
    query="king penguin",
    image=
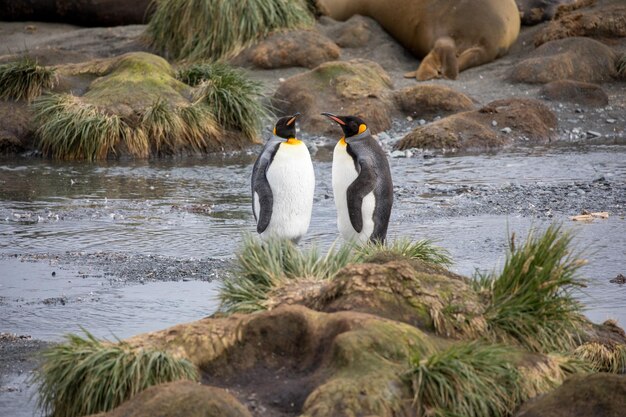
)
(283, 182)
(362, 185)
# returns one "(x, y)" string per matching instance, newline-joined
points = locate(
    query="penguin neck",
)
(356, 138)
(288, 141)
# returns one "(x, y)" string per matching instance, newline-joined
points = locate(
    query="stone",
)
(581, 93)
(427, 100)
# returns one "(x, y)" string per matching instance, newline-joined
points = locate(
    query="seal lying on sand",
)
(450, 35)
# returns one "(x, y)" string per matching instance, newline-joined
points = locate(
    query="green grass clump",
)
(263, 266)
(25, 80)
(531, 301)
(71, 129)
(85, 376)
(603, 357)
(232, 98)
(466, 379)
(215, 29)
(424, 250)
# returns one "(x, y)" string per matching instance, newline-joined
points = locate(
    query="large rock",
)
(497, 124)
(83, 13)
(356, 87)
(606, 19)
(180, 399)
(427, 100)
(584, 94)
(294, 48)
(537, 11)
(579, 59)
(16, 129)
(596, 395)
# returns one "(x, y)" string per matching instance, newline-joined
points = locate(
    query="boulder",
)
(180, 399)
(584, 94)
(16, 128)
(533, 12)
(82, 13)
(595, 395)
(356, 32)
(578, 59)
(427, 100)
(497, 124)
(601, 20)
(294, 48)
(355, 87)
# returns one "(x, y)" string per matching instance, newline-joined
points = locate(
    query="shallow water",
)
(199, 208)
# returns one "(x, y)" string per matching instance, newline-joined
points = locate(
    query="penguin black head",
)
(286, 126)
(351, 125)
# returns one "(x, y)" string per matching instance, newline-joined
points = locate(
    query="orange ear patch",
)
(362, 128)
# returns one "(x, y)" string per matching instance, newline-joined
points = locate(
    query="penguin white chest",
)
(344, 173)
(292, 180)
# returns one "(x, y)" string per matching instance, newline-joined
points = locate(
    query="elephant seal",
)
(450, 35)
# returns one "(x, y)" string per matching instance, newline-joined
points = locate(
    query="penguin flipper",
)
(360, 187)
(266, 203)
(261, 189)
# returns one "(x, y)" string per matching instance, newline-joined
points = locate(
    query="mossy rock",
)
(356, 87)
(526, 119)
(427, 100)
(576, 58)
(595, 395)
(583, 94)
(180, 399)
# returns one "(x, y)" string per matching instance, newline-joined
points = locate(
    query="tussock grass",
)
(215, 29)
(85, 376)
(25, 80)
(466, 379)
(603, 357)
(544, 376)
(231, 96)
(71, 129)
(531, 301)
(424, 250)
(263, 266)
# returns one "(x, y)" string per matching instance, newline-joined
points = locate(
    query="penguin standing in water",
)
(283, 182)
(362, 184)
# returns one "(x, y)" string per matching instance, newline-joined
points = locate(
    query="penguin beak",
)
(334, 118)
(293, 119)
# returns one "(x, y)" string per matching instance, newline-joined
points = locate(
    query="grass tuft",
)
(71, 129)
(264, 266)
(216, 29)
(466, 379)
(230, 95)
(603, 357)
(424, 250)
(85, 376)
(531, 301)
(25, 80)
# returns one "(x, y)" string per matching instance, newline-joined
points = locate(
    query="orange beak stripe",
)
(338, 120)
(293, 119)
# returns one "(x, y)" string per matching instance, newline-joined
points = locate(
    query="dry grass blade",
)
(85, 376)
(466, 379)
(531, 301)
(215, 29)
(603, 357)
(25, 80)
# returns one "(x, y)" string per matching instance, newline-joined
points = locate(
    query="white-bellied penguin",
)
(362, 184)
(283, 182)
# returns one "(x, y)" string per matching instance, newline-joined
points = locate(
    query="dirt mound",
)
(180, 399)
(600, 21)
(296, 48)
(595, 395)
(579, 59)
(497, 124)
(427, 100)
(356, 87)
(584, 94)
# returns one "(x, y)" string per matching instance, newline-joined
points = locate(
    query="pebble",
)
(494, 123)
(594, 134)
(422, 122)
(611, 121)
(506, 130)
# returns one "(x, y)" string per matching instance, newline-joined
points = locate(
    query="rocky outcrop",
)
(533, 12)
(16, 128)
(583, 94)
(356, 87)
(595, 395)
(82, 13)
(495, 125)
(427, 100)
(602, 20)
(295, 48)
(180, 399)
(578, 59)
